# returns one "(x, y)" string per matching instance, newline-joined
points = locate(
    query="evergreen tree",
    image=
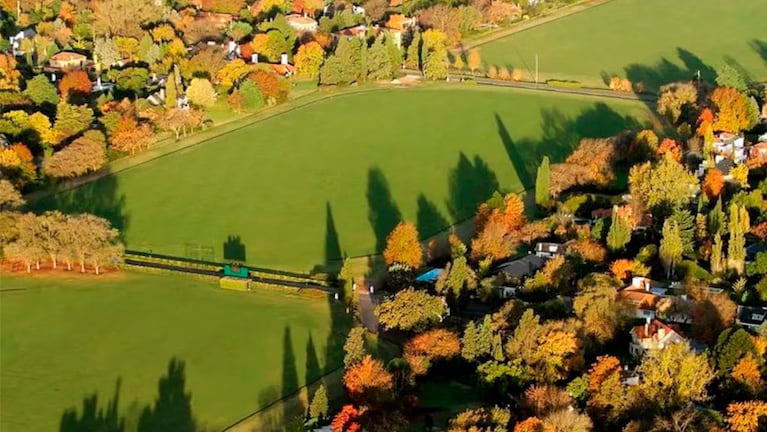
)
(395, 56)
(413, 53)
(671, 247)
(686, 224)
(542, 180)
(619, 234)
(41, 91)
(344, 66)
(736, 246)
(378, 61)
(363, 70)
(319, 407)
(354, 347)
(469, 349)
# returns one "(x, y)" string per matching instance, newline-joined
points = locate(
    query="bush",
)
(564, 83)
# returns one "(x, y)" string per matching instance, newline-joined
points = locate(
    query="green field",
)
(648, 41)
(71, 348)
(299, 190)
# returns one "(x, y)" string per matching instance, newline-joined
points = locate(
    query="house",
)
(724, 165)
(550, 250)
(397, 26)
(731, 146)
(522, 267)
(360, 31)
(302, 24)
(67, 60)
(758, 152)
(752, 317)
(601, 213)
(644, 294)
(654, 335)
(15, 41)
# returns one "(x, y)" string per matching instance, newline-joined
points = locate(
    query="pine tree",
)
(542, 180)
(378, 61)
(736, 246)
(395, 56)
(354, 347)
(469, 349)
(619, 234)
(319, 407)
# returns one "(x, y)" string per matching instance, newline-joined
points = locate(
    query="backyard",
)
(83, 353)
(305, 188)
(649, 41)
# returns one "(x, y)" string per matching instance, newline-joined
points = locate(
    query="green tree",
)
(344, 66)
(736, 247)
(686, 224)
(410, 310)
(319, 407)
(171, 91)
(354, 347)
(728, 76)
(717, 259)
(477, 341)
(434, 54)
(413, 53)
(71, 120)
(40, 91)
(619, 234)
(666, 185)
(395, 55)
(597, 307)
(716, 219)
(252, 95)
(378, 62)
(731, 346)
(671, 247)
(105, 52)
(542, 180)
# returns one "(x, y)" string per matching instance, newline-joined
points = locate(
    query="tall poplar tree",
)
(542, 180)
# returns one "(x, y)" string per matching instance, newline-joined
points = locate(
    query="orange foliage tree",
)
(604, 367)
(269, 85)
(732, 110)
(492, 242)
(621, 268)
(75, 83)
(713, 183)
(403, 247)
(368, 381)
(749, 416)
(705, 120)
(760, 230)
(533, 424)
(347, 420)
(671, 147)
(435, 344)
(747, 372)
(588, 250)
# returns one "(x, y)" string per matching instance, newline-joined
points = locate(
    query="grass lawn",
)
(648, 41)
(300, 189)
(65, 341)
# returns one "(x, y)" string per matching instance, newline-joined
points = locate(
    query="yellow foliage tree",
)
(746, 416)
(403, 247)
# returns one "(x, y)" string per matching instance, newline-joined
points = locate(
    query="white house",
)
(654, 335)
(550, 250)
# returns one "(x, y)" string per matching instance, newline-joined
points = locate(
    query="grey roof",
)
(752, 315)
(725, 166)
(522, 267)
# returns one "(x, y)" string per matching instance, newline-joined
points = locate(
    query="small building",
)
(360, 31)
(302, 23)
(601, 213)
(397, 26)
(550, 250)
(68, 60)
(752, 317)
(522, 267)
(654, 335)
(644, 294)
(15, 40)
(724, 165)
(731, 146)
(283, 69)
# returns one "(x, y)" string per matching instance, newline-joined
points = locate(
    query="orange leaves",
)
(671, 147)
(622, 268)
(366, 380)
(403, 247)
(588, 250)
(269, 85)
(432, 345)
(746, 416)
(601, 370)
(346, 420)
(713, 183)
(75, 83)
(532, 424)
(747, 373)
(732, 110)
(494, 224)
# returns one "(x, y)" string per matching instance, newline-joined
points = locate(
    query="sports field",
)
(648, 41)
(73, 348)
(333, 178)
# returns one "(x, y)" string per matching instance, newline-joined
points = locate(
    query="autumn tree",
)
(673, 377)
(270, 86)
(588, 250)
(667, 184)
(368, 381)
(477, 341)
(75, 83)
(71, 120)
(671, 247)
(354, 347)
(434, 54)
(425, 348)
(85, 154)
(481, 419)
(728, 76)
(711, 313)
(733, 110)
(410, 310)
(713, 183)
(126, 17)
(748, 416)
(9, 73)
(542, 181)
(201, 93)
(131, 136)
(597, 307)
(739, 225)
(10, 197)
(493, 243)
(309, 59)
(608, 398)
(747, 373)
(347, 420)
(532, 424)
(319, 407)
(676, 97)
(403, 247)
(671, 147)
(474, 60)
(40, 91)
(619, 233)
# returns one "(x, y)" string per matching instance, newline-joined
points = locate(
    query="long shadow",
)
(172, 409)
(429, 219)
(515, 153)
(333, 251)
(94, 418)
(234, 249)
(313, 368)
(102, 198)
(289, 372)
(760, 47)
(383, 212)
(469, 183)
(664, 71)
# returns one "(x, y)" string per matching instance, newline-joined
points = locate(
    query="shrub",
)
(234, 284)
(564, 83)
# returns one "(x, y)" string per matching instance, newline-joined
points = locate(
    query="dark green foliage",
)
(716, 219)
(378, 61)
(413, 53)
(344, 65)
(132, 79)
(71, 120)
(395, 55)
(731, 346)
(728, 76)
(759, 266)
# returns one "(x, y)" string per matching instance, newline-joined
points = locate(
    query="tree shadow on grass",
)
(760, 47)
(429, 220)
(170, 411)
(664, 71)
(234, 249)
(101, 197)
(289, 371)
(469, 183)
(383, 212)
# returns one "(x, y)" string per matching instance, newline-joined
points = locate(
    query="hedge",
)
(564, 83)
(234, 283)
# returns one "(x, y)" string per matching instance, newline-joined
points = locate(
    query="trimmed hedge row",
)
(153, 270)
(234, 284)
(564, 83)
